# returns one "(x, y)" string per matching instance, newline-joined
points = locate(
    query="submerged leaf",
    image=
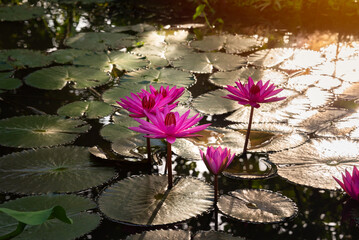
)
(60, 169)
(315, 162)
(90, 109)
(53, 229)
(39, 131)
(145, 200)
(257, 206)
(56, 78)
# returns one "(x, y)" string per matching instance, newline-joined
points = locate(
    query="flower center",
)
(170, 119)
(254, 89)
(148, 102)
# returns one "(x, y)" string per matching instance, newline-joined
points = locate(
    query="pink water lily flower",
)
(350, 183)
(150, 101)
(217, 159)
(253, 94)
(169, 125)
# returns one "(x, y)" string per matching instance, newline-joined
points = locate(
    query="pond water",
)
(296, 145)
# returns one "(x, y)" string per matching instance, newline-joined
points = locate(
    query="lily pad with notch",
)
(257, 206)
(76, 208)
(39, 131)
(270, 57)
(46, 170)
(88, 109)
(23, 58)
(9, 83)
(314, 163)
(56, 78)
(145, 200)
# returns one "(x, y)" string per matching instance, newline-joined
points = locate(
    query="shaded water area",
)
(296, 145)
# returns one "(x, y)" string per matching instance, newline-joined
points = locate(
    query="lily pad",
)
(98, 41)
(209, 43)
(68, 55)
(145, 200)
(39, 131)
(60, 169)
(319, 97)
(157, 62)
(239, 44)
(270, 137)
(304, 81)
(222, 79)
(56, 78)
(90, 109)
(120, 60)
(23, 58)
(141, 27)
(125, 89)
(302, 58)
(206, 62)
(212, 235)
(257, 206)
(76, 208)
(164, 76)
(314, 163)
(188, 148)
(161, 234)
(9, 83)
(20, 12)
(270, 57)
(176, 51)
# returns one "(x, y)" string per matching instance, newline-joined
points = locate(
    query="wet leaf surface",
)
(88, 109)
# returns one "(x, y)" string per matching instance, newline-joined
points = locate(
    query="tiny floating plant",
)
(252, 94)
(350, 183)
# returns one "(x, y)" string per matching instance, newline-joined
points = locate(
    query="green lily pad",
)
(314, 163)
(23, 58)
(209, 43)
(9, 83)
(139, 28)
(20, 12)
(59, 169)
(206, 62)
(125, 89)
(176, 51)
(239, 44)
(56, 78)
(120, 60)
(68, 55)
(222, 79)
(212, 235)
(161, 234)
(39, 131)
(145, 200)
(302, 58)
(90, 109)
(188, 148)
(164, 76)
(75, 206)
(157, 62)
(99, 41)
(257, 206)
(270, 57)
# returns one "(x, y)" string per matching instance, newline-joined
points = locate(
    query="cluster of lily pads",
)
(306, 138)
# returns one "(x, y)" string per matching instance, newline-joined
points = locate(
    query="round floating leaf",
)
(90, 109)
(141, 27)
(75, 206)
(302, 58)
(120, 60)
(188, 148)
(212, 235)
(239, 43)
(145, 200)
(20, 12)
(342, 50)
(222, 79)
(68, 55)
(315, 162)
(8, 83)
(178, 36)
(257, 206)
(161, 234)
(56, 78)
(23, 58)
(125, 89)
(164, 76)
(302, 82)
(98, 41)
(271, 137)
(205, 62)
(150, 50)
(319, 97)
(254, 166)
(270, 57)
(157, 62)
(176, 51)
(209, 43)
(214, 103)
(59, 169)
(39, 131)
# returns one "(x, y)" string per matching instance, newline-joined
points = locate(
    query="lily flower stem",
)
(248, 130)
(148, 147)
(169, 164)
(215, 189)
